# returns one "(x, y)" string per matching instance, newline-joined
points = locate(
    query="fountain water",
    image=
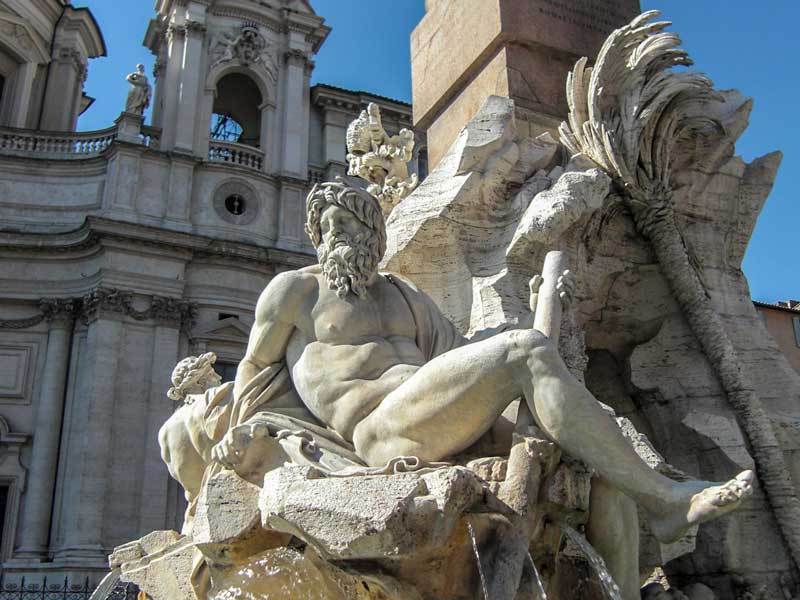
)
(541, 594)
(610, 588)
(478, 560)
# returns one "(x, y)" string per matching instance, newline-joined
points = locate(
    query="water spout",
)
(478, 560)
(610, 588)
(537, 578)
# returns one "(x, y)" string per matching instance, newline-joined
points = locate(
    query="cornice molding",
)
(97, 230)
(163, 310)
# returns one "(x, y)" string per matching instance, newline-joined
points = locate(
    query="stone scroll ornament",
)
(380, 159)
(637, 118)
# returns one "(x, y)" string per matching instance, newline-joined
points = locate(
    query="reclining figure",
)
(381, 373)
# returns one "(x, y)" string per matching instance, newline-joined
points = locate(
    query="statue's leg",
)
(444, 407)
(567, 412)
(449, 402)
(613, 530)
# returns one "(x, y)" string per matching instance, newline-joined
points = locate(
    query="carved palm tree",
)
(629, 114)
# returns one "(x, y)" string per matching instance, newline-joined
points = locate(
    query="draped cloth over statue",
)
(270, 399)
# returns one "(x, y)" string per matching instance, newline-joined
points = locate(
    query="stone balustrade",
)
(151, 137)
(236, 154)
(61, 145)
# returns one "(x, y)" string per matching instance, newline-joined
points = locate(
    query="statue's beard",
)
(348, 266)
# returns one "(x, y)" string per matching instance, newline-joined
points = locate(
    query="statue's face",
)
(348, 251)
(337, 224)
(210, 378)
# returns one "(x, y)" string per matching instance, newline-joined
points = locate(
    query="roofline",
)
(101, 37)
(361, 93)
(794, 311)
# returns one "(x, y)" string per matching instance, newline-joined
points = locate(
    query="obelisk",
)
(465, 50)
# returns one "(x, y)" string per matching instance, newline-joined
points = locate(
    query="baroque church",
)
(124, 250)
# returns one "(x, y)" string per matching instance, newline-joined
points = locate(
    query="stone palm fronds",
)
(629, 115)
(629, 111)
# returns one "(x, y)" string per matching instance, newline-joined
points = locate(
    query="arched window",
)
(237, 111)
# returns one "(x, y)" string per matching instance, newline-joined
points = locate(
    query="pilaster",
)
(85, 492)
(295, 115)
(64, 88)
(39, 495)
(155, 480)
(85, 480)
(23, 88)
(176, 40)
(189, 89)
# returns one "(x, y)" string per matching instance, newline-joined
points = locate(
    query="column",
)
(155, 483)
(85, 493)
(295, 117)
(64, 84)
(176, 37)
(36, 520)
(193, 61)
(158, 98)
(23, 87)
(268, 135)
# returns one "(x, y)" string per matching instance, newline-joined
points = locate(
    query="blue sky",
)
(739, 44)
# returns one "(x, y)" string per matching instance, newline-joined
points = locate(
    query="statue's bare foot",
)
(703, 501)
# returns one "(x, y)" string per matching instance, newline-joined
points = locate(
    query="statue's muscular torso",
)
(345, 355)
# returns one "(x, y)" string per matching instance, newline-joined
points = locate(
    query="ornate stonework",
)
(105, 301)
(247, 46)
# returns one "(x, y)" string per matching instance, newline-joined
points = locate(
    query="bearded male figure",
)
(374, 360)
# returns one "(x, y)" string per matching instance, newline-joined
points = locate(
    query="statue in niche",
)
(140, 92)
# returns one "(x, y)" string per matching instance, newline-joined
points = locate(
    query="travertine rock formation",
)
(480, 224)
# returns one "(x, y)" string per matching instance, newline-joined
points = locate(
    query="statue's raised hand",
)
(232, 449)
(565, 287)
(533, 285)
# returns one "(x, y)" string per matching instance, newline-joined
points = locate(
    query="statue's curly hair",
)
(358, 201)
(186, 376)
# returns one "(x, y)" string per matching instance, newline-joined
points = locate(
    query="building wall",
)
(131, 243)
(784, 326)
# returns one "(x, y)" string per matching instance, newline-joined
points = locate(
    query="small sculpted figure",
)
(140, 92)
(185, 444)
(381, 159)
(374, 360)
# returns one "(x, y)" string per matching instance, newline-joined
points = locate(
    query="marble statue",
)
(355, 383)
(375, 361)
(185, 431)
(380, 159)
(353, 371)
(140, 92)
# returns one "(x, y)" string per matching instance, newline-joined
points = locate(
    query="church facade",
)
(123, 250)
